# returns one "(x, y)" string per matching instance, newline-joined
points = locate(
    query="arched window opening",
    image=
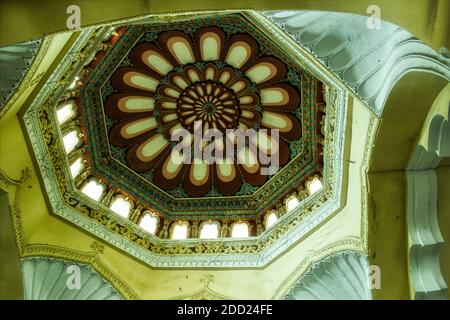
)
(66, 112)
(209, 230)
(149, 222)
(94, 189)
(122, 206)
(292, 203)
(180, 230)
(71, 140)
(314, 185)
(240, 230)
(270, 219)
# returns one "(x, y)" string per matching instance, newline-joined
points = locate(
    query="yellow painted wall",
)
(388, 233)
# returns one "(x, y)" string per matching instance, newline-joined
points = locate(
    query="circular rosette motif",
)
(211, 83)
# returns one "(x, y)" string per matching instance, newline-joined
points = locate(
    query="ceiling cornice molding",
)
(371, 136)
(19, 63)
(313, 259)
(13, 188)
(424, 236)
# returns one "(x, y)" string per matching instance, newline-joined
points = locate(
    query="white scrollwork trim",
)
(341, 276)
(424, 236)
(368, 61)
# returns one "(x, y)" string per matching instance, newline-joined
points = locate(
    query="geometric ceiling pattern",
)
(219, 80)
(103, 139)
(258, 86)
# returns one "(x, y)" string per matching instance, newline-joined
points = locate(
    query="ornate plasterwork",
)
(352, 245)
(93, 259)
(180, 97)
(368, 61)
(205, 293)
(17, 64)
(340, 276)
(13, 187)
(54, 279)
(249, 201)
(7, 184)
(371, 135)
(98, 219)
(424, 236)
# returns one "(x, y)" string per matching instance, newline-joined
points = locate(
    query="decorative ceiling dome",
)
(191, 137)
(219, 82)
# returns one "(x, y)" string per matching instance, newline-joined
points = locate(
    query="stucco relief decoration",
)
(222, 84)
(105, 140)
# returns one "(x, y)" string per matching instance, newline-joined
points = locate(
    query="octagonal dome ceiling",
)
(108, 140)
(219, 73)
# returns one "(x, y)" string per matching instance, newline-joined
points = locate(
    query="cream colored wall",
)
(426, 19)
(404, 114)
(387, 233)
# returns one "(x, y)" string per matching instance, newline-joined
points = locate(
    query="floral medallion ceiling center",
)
(217, 73)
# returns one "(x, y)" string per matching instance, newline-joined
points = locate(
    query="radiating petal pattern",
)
(206, 82)
(124, 105)
(241, 50)
(265, 70)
